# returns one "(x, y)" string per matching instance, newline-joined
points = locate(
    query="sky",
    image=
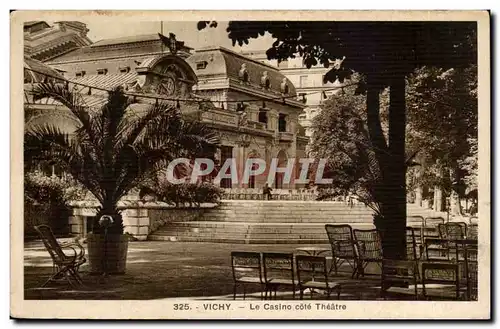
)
(106, 28)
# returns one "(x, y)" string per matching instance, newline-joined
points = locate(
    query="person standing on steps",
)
(267, 192)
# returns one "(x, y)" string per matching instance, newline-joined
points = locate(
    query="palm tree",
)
(112, 149)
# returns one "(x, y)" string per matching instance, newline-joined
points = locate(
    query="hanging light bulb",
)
(45, 79)
(284, 101)
(90, 91)
(263, 104)
(67, 85)
(304, 100)
(178, 105)
(325, 96)
(156, 102)
(222, 105)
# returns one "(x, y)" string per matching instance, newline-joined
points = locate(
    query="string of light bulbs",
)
(240, 103)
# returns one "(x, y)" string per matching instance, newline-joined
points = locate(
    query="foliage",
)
(46, 198)
(384, 53)
(115, 147)
(42, 189)
(442, 119)
(341, 136)
(185, 193)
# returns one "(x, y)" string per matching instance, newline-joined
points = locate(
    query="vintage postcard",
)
(250, 165)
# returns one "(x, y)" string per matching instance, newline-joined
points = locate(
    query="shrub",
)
(186, 193)
(46, 201)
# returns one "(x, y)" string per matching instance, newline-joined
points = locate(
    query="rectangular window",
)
(201, 65)
(282, 123)
(80, 74)
(125, 69)
(304, 81)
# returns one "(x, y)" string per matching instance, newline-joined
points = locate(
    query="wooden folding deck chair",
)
(64, 266)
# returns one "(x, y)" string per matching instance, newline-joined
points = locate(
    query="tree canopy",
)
(384, 53)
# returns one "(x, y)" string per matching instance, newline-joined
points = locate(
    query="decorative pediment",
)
(165, 75)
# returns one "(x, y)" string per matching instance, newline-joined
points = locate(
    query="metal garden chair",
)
(472, 232)
(278, 271)
(398, 276)
(430, 227)
(467, 254)
(312, 274)
(453, 231)
(413, 243)
(64, 266)
(438, 278)
(247, 270)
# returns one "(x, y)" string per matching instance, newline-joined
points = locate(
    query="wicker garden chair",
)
(369, 247)
(343, 247)
(64, 266)
(246, 270)
(312, 274)
(398, 276)
(278, 271)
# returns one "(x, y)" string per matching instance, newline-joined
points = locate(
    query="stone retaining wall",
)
(139, 218)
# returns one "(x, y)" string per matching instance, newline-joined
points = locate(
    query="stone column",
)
(272, 120)
(136, 222)
(77, 226)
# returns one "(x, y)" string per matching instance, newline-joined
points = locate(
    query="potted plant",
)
(110, 150)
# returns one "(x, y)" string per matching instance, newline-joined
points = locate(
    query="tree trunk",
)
(109, 208)
(394, 210)
(457, 189)
(391, 194)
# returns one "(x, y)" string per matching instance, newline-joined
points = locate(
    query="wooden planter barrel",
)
(115, 253)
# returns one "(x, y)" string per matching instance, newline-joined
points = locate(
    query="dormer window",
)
(243, 73)
(80, 74)
(124, 69)
(102, 71)
(201, 65)
(265, 81)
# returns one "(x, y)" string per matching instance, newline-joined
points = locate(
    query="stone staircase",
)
(271, 222)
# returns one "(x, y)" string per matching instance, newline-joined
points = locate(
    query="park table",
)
(313, 250)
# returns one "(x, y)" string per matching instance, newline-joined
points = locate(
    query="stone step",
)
(272, 222)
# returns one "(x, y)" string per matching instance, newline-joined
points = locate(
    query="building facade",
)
(309, 83)
(252, 105)
(44, 42)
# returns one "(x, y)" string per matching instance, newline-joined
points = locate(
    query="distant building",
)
(253, 106)
(44, 42)
(306, 81)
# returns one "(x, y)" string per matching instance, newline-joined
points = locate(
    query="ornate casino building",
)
(254, 107)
